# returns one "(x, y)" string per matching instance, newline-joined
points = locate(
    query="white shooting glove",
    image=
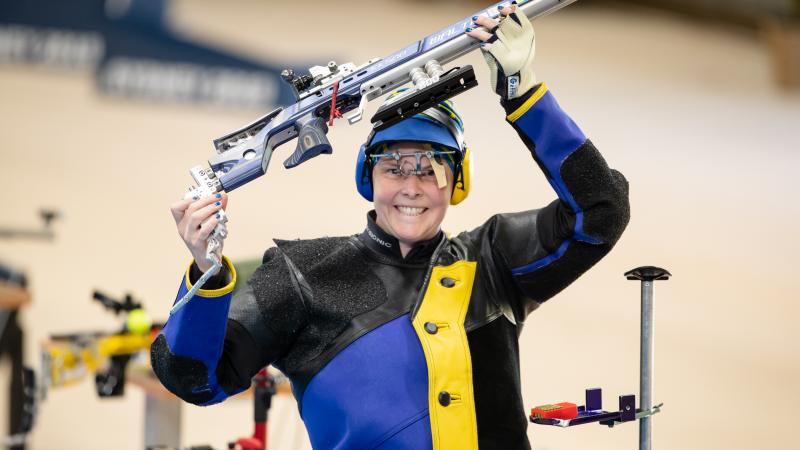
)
(509, 54)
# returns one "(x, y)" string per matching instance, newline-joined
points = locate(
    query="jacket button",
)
(444, 398)
(447, 282)
(431, 327)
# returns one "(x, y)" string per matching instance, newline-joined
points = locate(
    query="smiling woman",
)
(412, 190)
(410, 203)
(410, 206)
(402, 336)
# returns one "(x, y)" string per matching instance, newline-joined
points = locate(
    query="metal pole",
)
(646, 274)
(646, 365)
(162, 421)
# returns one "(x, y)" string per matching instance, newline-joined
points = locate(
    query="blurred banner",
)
(133, 52)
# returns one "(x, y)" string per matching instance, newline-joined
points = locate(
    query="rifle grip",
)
(311, 141)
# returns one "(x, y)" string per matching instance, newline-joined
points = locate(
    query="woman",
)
(403, 337)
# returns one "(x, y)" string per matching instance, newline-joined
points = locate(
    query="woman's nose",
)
(412, 186)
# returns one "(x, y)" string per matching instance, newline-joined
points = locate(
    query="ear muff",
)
(462, 184)
(363, 181)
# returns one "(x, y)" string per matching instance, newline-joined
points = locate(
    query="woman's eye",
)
(394, 171)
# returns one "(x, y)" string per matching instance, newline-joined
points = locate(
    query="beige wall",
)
(685, 110)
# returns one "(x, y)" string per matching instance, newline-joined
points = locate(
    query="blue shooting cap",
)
(439, 125)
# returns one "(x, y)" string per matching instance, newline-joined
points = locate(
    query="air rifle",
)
(67, 358)
(328, 92)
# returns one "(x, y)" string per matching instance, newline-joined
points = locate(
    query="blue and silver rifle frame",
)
(329, 91)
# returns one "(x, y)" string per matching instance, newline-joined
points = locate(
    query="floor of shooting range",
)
(687, 110)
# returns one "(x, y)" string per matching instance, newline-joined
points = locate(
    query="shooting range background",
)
(686, 109)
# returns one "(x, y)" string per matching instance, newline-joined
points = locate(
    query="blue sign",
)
(134, 53)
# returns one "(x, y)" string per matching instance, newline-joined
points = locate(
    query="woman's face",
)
(410, 208)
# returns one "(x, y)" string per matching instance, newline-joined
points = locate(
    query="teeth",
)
(409, 211)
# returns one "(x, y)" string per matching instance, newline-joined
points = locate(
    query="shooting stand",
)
(593, 411)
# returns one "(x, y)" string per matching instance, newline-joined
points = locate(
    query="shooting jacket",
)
(418, 352)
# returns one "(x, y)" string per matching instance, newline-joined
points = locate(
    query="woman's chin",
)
(412, 235)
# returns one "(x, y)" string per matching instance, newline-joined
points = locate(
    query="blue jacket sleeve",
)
(543, 251)
(188, 349)
(212, 347)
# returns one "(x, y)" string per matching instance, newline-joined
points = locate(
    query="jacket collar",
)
(388, 246)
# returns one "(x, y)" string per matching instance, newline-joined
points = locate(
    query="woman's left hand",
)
(508, 47)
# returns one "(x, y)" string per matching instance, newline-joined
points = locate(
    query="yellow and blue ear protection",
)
(440, 126)
(462, 183)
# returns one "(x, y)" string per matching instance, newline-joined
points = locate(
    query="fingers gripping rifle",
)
(328, 92)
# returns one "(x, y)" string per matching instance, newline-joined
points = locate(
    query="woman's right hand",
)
(196, 219)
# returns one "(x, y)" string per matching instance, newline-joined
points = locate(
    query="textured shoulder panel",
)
(279, 300)
(306, 253)
(339, 286)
